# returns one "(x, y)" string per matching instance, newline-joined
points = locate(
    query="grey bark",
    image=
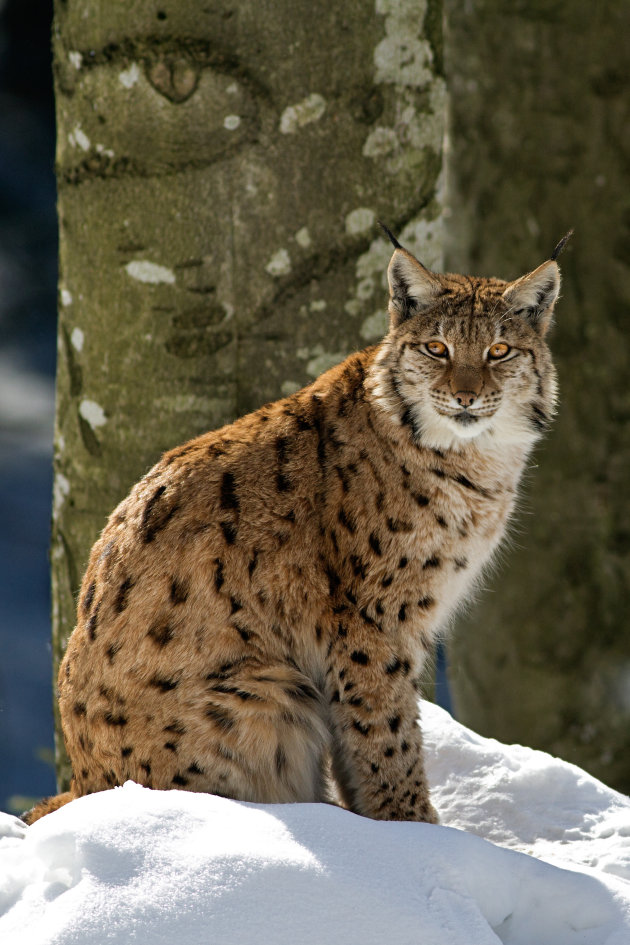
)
(220, 168)
(540, 141)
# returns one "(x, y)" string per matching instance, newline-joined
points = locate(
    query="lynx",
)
(256, 615)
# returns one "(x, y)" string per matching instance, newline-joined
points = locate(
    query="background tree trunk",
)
(540, 135)
(220, 171)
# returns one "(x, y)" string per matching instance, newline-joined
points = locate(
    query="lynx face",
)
(467, 357)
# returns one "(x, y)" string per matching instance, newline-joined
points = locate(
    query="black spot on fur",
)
(422, 500)
(333, 579)
(242, 694)
(425, 603)
(466, 483)
(283, 483)
(112, 650)
(369, 620)
(221, 716)
(433, 562)
(375, 544)
(228, 498)
(394, 723)
(164, 685)
(79, 708)
(346, 521)
(115, 720)
(303, 692)
(180, 780)
(359, 656)
(235, 606)
(93, 622)
(179, 591)
(460, 563)
(244, 634)
(389, 752)
(404, 561)
(363, 729)
(387, 580)
(539, 419)
(88, 598)
(121, 597)
(218, 575)
(438, 472)
(125, 752)
(302, 422)
(406, 419)
(161, 634)
(251, 567)
(229, 532)
(171, 746)
(359, 567)
(402, 613)
(345, 485)
(441, 521)
(194, 769)
(157, 514)
(176, 728)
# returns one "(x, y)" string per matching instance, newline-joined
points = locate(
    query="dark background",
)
(28, 261)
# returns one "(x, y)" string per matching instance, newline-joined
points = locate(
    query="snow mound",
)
(164, 867)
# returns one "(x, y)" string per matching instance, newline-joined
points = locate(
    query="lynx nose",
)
(465, 398)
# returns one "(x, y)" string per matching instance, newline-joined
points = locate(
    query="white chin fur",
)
(445, 432)
(504, 428)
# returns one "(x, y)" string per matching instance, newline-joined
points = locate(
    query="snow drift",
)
(174, 867)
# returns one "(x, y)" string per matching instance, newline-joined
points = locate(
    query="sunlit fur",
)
(259, 610)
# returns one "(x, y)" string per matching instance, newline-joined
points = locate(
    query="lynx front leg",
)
(377, 742)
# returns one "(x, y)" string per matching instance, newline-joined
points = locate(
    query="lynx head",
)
(465, 358)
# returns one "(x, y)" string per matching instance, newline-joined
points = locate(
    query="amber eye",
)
(498, 350)
(437, 348)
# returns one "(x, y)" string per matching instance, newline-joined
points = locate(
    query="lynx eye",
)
(498, 350)
(437, 348)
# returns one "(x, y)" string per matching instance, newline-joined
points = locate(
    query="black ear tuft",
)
(389, 233)
(563, 242)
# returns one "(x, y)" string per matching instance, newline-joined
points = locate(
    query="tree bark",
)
(540, 142)
(221, 168)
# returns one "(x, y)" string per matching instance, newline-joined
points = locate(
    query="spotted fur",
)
(258, 611)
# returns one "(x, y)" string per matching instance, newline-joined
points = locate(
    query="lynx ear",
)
(412, 288)
(533, 296)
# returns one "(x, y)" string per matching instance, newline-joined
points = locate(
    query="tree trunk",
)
(220, 170)
(540, 136)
